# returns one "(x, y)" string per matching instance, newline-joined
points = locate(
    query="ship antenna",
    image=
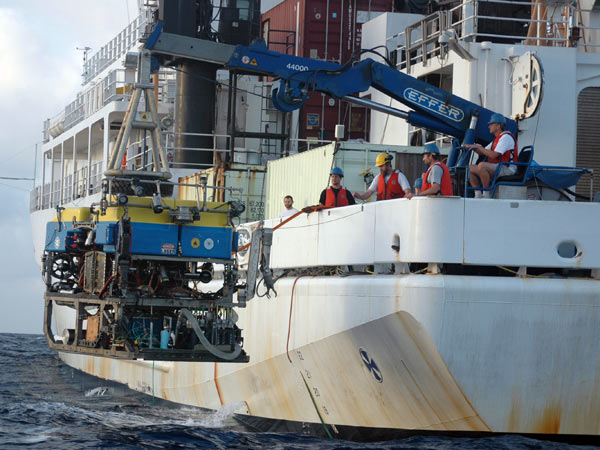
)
(85, 51)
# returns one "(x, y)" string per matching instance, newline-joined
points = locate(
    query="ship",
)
(451, 315)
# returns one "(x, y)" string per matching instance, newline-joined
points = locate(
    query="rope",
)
(306, 210)
(312, 397)
(287, 351)
(15, 187)
(262, 193)
(326, 222)
(538, 276)
(517, 273)
(287, 344)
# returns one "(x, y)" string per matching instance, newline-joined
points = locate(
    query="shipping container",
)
(305, 175)
(327, 30)
(247, 180)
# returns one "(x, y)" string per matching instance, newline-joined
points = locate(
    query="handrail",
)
(115, 48)
(112, 87)
(419, 41)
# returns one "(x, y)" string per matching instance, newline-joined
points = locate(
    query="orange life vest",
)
(446, 182)
(391, 189)
(332, 200)
(505, 157)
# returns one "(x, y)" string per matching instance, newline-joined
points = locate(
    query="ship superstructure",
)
(429, 314)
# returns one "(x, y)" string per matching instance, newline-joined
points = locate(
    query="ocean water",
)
(46, 404)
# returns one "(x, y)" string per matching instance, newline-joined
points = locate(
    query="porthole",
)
(568, 249)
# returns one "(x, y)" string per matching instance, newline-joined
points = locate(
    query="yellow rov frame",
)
(130, 268)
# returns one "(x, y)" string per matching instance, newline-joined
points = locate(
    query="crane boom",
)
(430, 107)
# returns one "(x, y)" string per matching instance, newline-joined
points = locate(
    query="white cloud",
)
(40, 73)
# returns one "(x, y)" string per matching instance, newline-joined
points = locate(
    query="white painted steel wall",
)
(527, 233)
(532, 340)
(441, 230)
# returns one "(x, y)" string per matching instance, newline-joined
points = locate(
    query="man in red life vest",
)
(336, 195)
(502, 149)
(388, 183)
(436, 181)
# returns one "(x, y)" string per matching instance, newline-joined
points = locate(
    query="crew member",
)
(436, 181)
(288, 210)
(497, 151)
(335, 194)
(388, 183)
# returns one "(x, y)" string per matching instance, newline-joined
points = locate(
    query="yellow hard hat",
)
(383, 159)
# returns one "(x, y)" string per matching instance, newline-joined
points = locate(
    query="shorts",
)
(505, 171)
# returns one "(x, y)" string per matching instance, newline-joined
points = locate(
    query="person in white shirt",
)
(289, 209)
(497, 151)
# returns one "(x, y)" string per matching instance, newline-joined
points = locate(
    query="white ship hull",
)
(402, 351)
(445, 352)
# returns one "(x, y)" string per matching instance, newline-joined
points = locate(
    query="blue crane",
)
(431, 107)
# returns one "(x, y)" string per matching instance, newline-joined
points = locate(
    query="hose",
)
(579, 196)
(211, 348)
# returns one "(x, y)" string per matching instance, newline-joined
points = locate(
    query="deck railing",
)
(71, 186)
(116, 48)
(550, 24)
(111, 88)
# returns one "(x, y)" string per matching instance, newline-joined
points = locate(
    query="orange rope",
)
(287, 344)
(306, 210)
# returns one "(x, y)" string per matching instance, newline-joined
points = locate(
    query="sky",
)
(40, 73)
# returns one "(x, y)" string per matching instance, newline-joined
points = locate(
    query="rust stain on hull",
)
(417, 391)
(550, 421)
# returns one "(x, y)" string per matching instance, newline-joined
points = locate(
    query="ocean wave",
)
(46, 404)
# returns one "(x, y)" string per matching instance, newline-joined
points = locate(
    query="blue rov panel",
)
(106, 233)
(154, 239)
(56, 240)
(207, 242)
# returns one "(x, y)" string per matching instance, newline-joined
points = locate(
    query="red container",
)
(327, 30)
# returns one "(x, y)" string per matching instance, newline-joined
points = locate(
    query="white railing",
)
(111, 88)
(116, 48)
(71, 186)
(558, 26)
(35, 198)
(95, 178)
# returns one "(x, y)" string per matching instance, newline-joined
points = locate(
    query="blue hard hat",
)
(337, 171)
(431, 148)
(497, 118)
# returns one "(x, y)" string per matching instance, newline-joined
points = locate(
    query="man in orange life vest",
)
(335, 194)
(497, 151)
(436, 181)
(388, 183)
